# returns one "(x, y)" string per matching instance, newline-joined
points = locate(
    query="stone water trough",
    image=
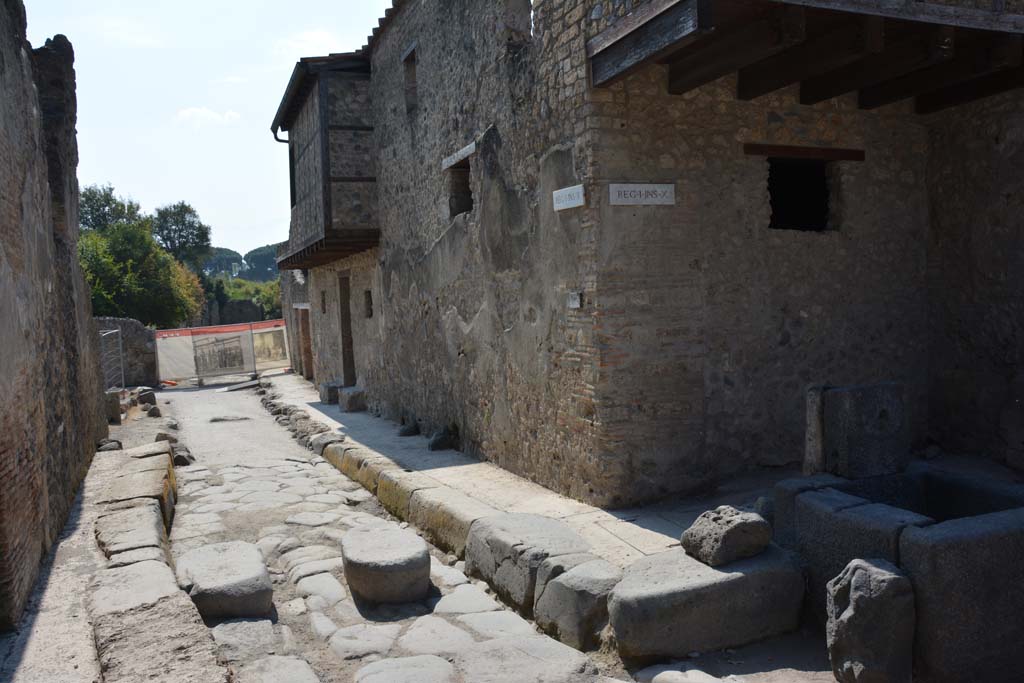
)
(956, 532)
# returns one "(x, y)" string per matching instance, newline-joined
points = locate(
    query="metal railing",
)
(112, 359)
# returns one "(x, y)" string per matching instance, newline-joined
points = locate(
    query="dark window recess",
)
(323, 302)
(411, 92)
(291, 174)
(460, 191)
(368, 303)
(799, 191)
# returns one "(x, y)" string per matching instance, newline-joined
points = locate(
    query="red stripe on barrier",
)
(219, 329)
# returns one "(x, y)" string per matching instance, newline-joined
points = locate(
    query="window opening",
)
(799, 190)
(460, 191)
(411, 90)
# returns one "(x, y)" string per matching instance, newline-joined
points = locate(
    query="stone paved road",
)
(253, 483)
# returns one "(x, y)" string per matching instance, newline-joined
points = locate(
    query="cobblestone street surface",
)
(253, 484)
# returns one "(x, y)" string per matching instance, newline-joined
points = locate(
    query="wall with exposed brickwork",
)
(700, 329)
(52, 408)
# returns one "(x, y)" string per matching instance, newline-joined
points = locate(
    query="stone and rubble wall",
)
(52, 413)
(138, 345)
(473, 308)
(976, 288)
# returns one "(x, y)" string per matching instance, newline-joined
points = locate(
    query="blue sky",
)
(175, 98)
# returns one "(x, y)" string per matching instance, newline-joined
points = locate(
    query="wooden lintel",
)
(986, 86)
(849, 42)
(731, 51)
(934, 46)
(925, 12)
(997, 54)
(796, 152)
(679, 24)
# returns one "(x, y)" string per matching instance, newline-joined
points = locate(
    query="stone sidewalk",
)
(619, 536)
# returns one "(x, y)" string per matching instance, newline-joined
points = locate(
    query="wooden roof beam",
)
(726, 53)
(995, 54)
(926, 12)
(648, 34)
(847, 43)
(969, 91)
(935, 45)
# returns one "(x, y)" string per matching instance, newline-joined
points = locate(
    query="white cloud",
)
(202, 116)
(307, 44)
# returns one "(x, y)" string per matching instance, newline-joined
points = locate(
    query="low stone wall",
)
(138, 344)
(53, 411)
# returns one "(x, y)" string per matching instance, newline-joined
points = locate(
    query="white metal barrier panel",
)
(202, 352)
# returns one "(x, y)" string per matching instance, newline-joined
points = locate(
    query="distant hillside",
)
(259, 265)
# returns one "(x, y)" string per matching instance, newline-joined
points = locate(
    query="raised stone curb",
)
(670, 604)
(445, 516)
(396, 487)
(506, 550)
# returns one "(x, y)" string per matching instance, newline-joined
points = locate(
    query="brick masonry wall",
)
(52, 413)
(138, 344)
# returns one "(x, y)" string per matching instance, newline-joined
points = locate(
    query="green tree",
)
(262, 263)
(99, 208)
(179, 230)
(132, 276)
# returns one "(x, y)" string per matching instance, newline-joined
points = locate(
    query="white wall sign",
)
(568, 198)
(642, 195)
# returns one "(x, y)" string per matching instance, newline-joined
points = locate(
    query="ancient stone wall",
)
(976, 262)
(52, 413)
(712, 324)
(138, 346)
(294, 290)
(474, 307)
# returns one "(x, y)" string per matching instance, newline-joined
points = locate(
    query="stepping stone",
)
(465, 600)
(226, 580)
(313, 518)
(527, 658)
(506, 550)
(364, 640)
(423, 669)
(498, 624)
(324, 586)
(244, 639)
(434, 636)
(386, 565)
(276, 670)
(670, 604)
